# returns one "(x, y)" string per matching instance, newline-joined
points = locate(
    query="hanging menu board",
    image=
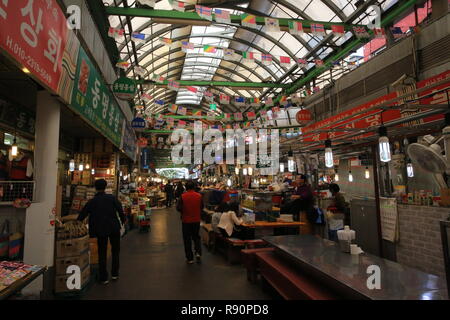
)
(389, 219)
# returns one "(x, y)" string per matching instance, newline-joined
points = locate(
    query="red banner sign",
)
(373, 119)
(34, 33)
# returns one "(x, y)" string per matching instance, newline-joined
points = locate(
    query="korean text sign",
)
(34, 33)
(95, 102)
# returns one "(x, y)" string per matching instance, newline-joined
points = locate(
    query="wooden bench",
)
(289, 281)
(251, 262)
(207, 235)
(231, 247)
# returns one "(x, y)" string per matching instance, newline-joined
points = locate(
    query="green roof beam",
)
(192, 18)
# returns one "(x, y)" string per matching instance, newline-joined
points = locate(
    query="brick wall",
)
(420, 244)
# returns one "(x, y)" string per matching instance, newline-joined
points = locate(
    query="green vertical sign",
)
(93, 100)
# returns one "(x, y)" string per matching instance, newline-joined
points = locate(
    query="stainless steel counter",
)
(347, 274)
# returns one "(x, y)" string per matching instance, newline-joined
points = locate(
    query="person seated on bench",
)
(215, 219)
(230, 222)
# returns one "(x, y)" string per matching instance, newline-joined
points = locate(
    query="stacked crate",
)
(72, 249)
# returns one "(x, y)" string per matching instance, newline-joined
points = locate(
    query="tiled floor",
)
(153, 267)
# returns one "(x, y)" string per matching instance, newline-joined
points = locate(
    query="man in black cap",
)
(104, 223)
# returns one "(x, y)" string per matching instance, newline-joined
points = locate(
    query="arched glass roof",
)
(175, 64)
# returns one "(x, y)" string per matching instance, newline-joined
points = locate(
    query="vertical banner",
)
(93, 100)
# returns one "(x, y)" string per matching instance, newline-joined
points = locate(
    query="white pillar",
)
(39, 232)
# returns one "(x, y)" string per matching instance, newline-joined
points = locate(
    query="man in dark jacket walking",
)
(104, 223)
(168, 189)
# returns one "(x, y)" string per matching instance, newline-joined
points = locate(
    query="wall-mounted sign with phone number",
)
(35, 34)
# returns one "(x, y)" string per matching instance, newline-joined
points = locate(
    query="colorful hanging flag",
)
(318, 62)
(302, 63)
(140, 71)
(204, 12)
(272, 25)
(283, 100)
(316, 89)
(236, 126)
(192, 89)
(248, 55)
(379, 33)
(285, 62)
(266, 59)
(213, 107)
(159, 102)
(230, 55)
(224, 99)
(122, 64)
(336, 63)
(255, 102)
(397, 32)
(173, 108)
(186, 45)
(295, 27)
(222, 16)
(177, 5)
(166, 41)
(229, 126)
(247, 124)
(251, 115)
(338, 30)
(181, 124)
(239, 101)
(318, 29)
(227, 117)
(269, 102)
(116, 33)
(138, 37)
(197, 113)
(361, 32)
(150, 3)
(249, 20)
(146, 97)
(208, 96)
(182, 111)
(173, 85)
(170, 122)
(238, 116)
(209, 49)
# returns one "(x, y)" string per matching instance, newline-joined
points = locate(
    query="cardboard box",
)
(72, 247)
(61, 281)
(93, 251)
(61, 264)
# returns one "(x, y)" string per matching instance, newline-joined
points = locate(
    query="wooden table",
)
(276, 226)
(21, 283)
(266, 224)
(348, 275)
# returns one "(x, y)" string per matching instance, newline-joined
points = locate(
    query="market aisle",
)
(153, 267)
